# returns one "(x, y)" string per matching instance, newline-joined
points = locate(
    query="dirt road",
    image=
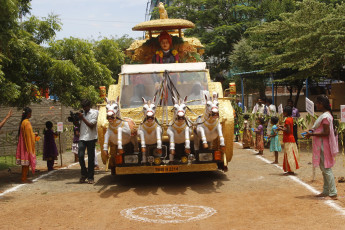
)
(253, 194)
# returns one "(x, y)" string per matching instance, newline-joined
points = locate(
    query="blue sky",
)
(90, 19)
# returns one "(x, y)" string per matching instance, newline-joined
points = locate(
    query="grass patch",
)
(7, 162)
(6, 165)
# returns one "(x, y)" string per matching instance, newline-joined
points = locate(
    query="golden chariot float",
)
(165, 117)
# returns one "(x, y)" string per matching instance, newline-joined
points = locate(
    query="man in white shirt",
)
(271, 108)
(261, 108)
(87, 139)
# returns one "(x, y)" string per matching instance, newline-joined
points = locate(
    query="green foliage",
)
(107, 52)
(220, 24)
(10, 11)
(24, 64)
(72, 68)
(244, 59)
(43, 29)
(310, 41)
(124, 41)
(76, 74)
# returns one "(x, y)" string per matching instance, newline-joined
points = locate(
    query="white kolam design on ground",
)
(168, 213)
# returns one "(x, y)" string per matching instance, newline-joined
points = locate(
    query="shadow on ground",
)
(173, 184)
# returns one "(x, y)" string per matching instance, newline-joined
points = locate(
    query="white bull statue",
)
(150, 131)
(179, 128)
(208, 127)
(120, 131)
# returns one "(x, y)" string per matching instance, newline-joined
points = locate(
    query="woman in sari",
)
(26, 156)
(325, 146)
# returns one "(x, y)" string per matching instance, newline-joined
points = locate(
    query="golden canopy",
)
(163, 24)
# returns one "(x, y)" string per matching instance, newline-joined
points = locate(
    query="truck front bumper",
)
(166, 169)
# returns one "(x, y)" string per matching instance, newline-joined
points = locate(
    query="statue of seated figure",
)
(166, 54)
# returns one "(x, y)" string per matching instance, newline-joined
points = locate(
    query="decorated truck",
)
(165, 115)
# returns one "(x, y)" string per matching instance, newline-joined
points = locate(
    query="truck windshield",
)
(136, 86)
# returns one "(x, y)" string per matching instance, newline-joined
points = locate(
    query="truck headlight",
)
(131, 159)
(184, 159)
(205, 157)
(157, 161)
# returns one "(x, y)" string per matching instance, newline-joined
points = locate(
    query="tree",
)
(75, 73)
(109, 51)
(310, 41)
(305, 43)
(68, 68)
(220, 24)
(124, 41)
(23, 60)
(244, 59)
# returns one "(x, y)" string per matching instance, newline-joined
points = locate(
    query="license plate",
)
(166, 169)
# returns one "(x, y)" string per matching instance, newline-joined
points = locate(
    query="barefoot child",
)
(275, 143)
(247, 133)
(50, 151)
(260, 136)
(291, 157)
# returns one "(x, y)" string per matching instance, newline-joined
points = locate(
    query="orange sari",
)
(26, 155)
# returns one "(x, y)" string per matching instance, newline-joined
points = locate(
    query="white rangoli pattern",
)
(168, 213)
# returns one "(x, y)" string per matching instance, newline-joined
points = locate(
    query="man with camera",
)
(87, 139)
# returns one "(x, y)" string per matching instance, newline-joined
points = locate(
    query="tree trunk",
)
(299, 88)
(290, 91)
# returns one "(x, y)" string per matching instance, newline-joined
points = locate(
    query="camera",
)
(74, 117)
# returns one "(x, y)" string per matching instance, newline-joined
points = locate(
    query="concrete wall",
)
(47, 110)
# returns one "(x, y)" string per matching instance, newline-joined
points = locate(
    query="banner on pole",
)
(60, 127)
(309, 106)
(342, 113)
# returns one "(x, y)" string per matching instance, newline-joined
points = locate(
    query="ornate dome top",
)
(164, 23)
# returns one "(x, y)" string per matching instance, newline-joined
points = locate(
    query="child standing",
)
(247, 133)
(50, 151)
(275, 143)
(291, 157)
(260, 136)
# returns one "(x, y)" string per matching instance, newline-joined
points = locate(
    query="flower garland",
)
(159, 56)
(175, 53)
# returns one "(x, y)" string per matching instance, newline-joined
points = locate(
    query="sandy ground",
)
(253, 194)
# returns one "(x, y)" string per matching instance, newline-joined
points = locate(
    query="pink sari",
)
(330, 143)
(25, 154)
